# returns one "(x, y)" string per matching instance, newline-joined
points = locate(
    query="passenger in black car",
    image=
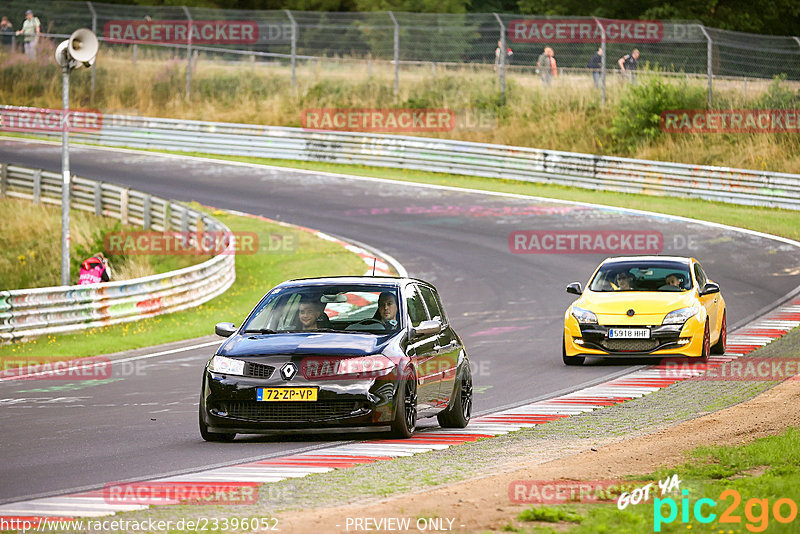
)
(311, 314)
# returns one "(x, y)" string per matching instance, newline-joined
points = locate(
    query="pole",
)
(709, 51)
(602, 62)
(502, 67)
(65, 184)
(294, 46)
(188, 54)
(94, 30)
(797, 40)
(396, 47)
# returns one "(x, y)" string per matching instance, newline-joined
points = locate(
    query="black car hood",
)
(339, 344)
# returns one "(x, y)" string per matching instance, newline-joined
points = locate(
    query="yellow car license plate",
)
(287, 394)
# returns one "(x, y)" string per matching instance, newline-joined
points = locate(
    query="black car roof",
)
(394, 281)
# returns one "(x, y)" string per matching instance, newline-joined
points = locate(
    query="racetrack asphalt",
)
(142, 422)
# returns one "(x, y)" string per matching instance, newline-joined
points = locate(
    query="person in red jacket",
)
(94, 270)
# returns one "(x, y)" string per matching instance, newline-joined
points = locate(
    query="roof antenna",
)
(374, 261)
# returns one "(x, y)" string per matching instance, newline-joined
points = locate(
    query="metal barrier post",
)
(37, 186)
(98, 198)
(502, 67)
(146, 215)
(94, 31)
(3, 179)
(123, 206)
(797, 40)
(294, 46)
(188, 54)
(708, 59)
(396, 47)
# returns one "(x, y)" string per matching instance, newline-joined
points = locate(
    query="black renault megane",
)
(364, 352)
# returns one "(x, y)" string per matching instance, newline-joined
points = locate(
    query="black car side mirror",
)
(224, 329)
(709, 288)
(575, 288)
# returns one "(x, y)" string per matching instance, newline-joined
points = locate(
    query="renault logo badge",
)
(288, 371)
(631, 313)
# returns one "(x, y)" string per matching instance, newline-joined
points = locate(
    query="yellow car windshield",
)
(642, 276)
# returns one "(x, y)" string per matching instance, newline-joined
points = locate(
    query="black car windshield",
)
(334, 308)
(652, 275)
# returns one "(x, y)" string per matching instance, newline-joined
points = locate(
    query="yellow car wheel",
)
(706, 350)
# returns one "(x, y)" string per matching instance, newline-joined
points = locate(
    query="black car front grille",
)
(258, 370)
(290, 411)
(629, 345)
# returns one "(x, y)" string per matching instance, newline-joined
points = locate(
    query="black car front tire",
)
(213, 436)
(405, 416)
(459, 412)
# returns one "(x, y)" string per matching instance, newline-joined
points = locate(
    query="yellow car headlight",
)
(583, 316)
(681, 316)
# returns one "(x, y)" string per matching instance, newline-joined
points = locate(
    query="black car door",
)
(422, 351)
(447, 348)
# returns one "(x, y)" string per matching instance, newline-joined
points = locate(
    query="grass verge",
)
(255, 275)
(744, 481)
(30, 246)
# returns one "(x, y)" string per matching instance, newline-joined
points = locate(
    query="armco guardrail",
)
(738, 186)
(27, 313)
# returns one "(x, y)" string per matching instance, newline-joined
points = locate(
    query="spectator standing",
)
(546, 65)
(6, 31)
(497, 53)
(628, 64)
(595, 65)
(31, 29)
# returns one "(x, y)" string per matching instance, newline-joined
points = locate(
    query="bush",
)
(639, 113)
(779, 96)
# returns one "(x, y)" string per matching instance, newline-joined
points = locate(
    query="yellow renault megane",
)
(645, 306)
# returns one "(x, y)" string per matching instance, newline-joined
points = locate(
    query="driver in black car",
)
(387, 310)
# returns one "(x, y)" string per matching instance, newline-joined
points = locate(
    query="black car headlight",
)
(227, 366)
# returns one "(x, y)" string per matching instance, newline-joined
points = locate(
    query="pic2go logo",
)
(756, 511)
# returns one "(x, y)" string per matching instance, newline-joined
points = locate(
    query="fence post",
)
(94, 30)
(146, 215)
(708, 59)
(602, 62)
(37, 186)
(3, 179)
(188, 53)
(797, 40)
(502, 58)
(294, 46)
(396, 47)
(98, 198)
